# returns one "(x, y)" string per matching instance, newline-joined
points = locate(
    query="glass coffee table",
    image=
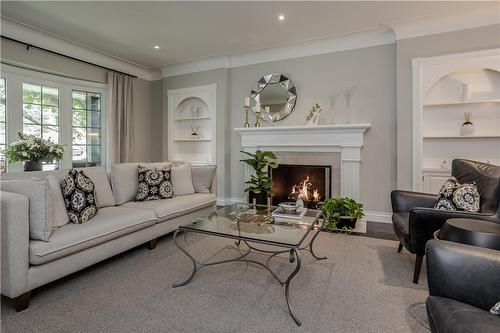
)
(251, 225)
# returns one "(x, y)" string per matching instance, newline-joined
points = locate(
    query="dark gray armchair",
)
(464, 284)
(414, 219)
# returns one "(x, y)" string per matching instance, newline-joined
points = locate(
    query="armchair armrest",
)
(15, 243)
(465, 273)
(404, 201)
(423, 222)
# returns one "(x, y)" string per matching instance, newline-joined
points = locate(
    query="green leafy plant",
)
(335, 208)
(32, 148)
(260, 162)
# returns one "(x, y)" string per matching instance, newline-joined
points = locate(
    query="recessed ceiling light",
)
(157, 47)
(281, 17)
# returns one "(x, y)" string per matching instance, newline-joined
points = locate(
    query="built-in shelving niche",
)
(192, 108)
(443, 115)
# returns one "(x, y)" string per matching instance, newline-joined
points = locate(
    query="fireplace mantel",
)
(344, 139)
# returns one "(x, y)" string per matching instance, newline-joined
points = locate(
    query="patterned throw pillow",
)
(79, 196)
(154, 184)
(456, 196)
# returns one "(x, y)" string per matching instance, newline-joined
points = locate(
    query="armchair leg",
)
(418, 267)
(22, 302)
(400, 248)
(152, 244)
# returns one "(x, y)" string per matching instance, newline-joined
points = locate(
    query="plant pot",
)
(260, 198)
(346, 221)
(33, 166)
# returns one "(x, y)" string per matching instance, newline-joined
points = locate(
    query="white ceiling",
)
(193, 30)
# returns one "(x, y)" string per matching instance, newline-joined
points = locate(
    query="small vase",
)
(467, 129)
(33, 166)
(260, 198)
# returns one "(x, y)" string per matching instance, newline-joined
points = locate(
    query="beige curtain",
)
(120, 118)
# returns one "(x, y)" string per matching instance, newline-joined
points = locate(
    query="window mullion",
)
(65, 123)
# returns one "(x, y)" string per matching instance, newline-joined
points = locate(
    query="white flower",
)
(51, 149)
(25, 154)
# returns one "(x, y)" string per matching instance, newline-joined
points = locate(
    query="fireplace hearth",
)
(311, 183)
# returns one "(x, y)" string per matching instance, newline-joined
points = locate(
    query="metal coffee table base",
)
(294, 258)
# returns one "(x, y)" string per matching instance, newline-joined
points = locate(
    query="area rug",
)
(363, 286)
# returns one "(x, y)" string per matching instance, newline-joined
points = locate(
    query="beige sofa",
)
(120, 224)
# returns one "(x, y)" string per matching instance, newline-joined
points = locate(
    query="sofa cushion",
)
(57, 207)
(80, 196)
(99, 177)
(182, 179)
(170, 208)
(38, 195)
(203, 177)
(108, 224)
(448, 315)
(154, 183)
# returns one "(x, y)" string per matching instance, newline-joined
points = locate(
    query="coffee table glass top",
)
(255, 223)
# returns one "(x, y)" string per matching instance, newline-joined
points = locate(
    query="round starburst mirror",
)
(276, 95)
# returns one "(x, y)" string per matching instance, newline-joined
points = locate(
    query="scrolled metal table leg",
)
(312, 242)
(195, 263)
(293, 253)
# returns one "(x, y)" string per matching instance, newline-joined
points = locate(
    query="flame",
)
(303, 191)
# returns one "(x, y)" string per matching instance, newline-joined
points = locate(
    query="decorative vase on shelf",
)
(195, 133)
(32, 166)
(467, 126)
(464, 91)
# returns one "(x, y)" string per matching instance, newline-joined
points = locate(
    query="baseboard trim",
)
(374, 216)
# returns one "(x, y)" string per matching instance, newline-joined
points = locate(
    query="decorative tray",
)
(297, 216)
(250, 217)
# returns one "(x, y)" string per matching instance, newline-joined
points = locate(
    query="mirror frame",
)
(285, 82)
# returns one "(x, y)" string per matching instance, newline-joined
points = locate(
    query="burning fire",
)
(303, 191)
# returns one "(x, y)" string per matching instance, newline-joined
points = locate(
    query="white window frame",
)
(15, 77)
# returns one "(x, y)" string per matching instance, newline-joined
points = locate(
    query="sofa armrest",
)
(15, 243)
(404, 201)
(465, 273)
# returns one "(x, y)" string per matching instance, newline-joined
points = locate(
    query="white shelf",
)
(192, 140)
(191, 118)
(463, 102)
(461, 137)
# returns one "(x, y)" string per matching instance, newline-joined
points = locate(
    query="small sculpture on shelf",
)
(194, 112)
(467, 126)
(195, 133)
(312, 118)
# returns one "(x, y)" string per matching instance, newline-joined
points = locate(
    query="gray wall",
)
(319, 79)
(146, 100)
(440, 44)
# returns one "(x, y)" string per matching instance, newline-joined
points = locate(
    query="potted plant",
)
(33, 151)
(341, 213)
(260, 185)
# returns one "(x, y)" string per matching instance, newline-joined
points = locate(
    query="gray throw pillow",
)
(57, 208)
(203, 177)
(182, 179)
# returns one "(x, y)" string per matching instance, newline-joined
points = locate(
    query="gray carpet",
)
(364, 286)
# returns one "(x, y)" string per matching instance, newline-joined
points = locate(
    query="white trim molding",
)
(425, 72)
(30, 35)
(381, 217)
(344, 139)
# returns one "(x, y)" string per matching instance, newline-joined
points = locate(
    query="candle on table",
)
(247, 101)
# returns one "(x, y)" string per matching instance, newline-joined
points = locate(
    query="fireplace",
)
(312, 183)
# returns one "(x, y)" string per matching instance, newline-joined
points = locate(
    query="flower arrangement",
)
(32, 148)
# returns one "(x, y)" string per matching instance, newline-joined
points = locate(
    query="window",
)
(86, 128)
(3, 125)
(67, 111)
(41, 111)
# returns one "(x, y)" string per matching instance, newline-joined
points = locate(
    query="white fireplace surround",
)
(344, 139)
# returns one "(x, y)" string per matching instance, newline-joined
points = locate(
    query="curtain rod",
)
(28, 45)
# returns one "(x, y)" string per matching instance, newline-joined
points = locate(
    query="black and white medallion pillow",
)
(456, 196)
(79, 196)
(154, 184)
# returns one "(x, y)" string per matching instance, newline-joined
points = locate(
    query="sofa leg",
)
(400, 248)
(152, 244)
(418, 267)
(22, 302)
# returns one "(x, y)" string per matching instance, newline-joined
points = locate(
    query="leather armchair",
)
(464, 284)
(414, 219)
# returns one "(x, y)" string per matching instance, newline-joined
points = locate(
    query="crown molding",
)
(358, 40)
(484, 16)
(27, 34)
